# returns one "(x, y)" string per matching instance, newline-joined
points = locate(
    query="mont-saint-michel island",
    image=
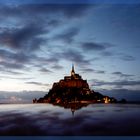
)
(73, 89)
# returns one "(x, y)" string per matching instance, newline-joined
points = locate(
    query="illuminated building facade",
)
(73, 81)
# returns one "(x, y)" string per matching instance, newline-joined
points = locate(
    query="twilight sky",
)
(39, 42)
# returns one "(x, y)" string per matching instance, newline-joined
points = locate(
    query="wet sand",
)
(49, 120)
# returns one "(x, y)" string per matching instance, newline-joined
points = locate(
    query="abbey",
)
(73, 89)
(73, 81)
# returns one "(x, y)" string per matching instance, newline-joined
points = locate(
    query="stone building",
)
(73, 81)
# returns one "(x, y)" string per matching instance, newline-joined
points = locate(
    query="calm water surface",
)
(46, 119)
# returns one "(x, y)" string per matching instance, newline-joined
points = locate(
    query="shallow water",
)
(46, 119)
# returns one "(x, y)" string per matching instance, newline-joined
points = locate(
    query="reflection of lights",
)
(106, 100)
(58, 101)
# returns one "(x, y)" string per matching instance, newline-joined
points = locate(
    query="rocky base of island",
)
(65, 96)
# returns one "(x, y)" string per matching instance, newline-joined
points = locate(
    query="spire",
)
(73, 67)
(72, 112)
(72, 71)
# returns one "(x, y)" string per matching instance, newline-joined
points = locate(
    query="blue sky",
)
(39, 43)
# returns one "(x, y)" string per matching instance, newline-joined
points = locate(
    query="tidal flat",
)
(50, 120)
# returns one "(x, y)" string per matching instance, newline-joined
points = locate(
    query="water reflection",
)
(73, 106)
(88, 119)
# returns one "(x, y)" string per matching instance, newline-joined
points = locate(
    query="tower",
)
(72, 71)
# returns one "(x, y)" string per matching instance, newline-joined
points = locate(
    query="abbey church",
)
(73, 81)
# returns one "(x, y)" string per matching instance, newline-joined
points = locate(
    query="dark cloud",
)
(23, 57)
(69, 11)
(25, 30)
(107, 53)
(34, 83)
(37, 83)
(127, 83)
(44, 70)
(52, 60)
(12, 65)
(14, 60)
(67, 35)
(28, 32)
(11, 61)
(120, 74)
(57, 67)
(87, 70)
(54, 22)
(94, 46)
(127, 58)
(6, 71)
(16, 57)
(115, 55)
(5, 55)
(116, 83)
(24, 39)
(74, 56)
(90, 70)
(48, 60)
(100, 71)
(45, 2)
(17, 78)
(32, 21)
(117, 73)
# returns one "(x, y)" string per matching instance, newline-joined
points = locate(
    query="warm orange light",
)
(106, 100)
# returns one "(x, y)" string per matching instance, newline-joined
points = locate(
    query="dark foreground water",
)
(93, 120)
